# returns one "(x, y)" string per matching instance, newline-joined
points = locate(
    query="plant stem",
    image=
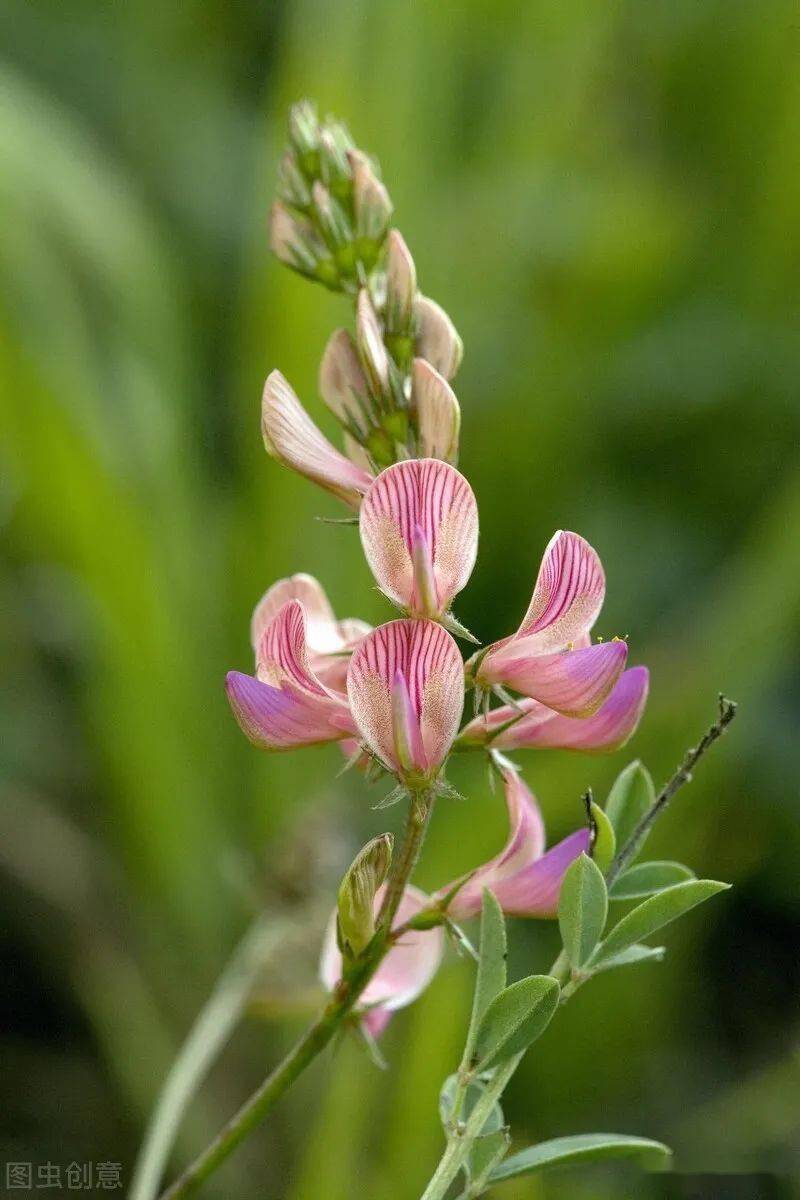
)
(727, 711)
(320, 1033)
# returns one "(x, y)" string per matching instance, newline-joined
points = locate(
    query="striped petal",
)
(322, 629)
(406, 691)
(437, 339)
(282, 651)
(292, 437)
(542, 729)
(404, 973)
(569, 593)
(419, 530)
(573, 682)
(284, 718)
(437, 410)
(525, 880)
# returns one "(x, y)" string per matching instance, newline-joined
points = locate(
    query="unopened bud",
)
(401, 284)
(369, 338)
(304, 131)
(335, 169)
(437, 412)
(356, 904)
(342, 384)
(295, 242)
(292, 186)
(373, 208)
(437, 339)
(332, 219)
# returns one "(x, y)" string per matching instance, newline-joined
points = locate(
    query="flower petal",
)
(535, 890)
(322, 629)
(406, 970)
(428, 659)
(542, 729)
(282, 651)
(420, 495)
(526, 841)
(437, 339)
(438, 413)
(341, 381)
(292, 437)
(573, 682)
(568, 595)
(284, 718)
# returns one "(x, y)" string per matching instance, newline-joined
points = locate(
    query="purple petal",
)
(284, 718)
(534, 891)
(573, 682)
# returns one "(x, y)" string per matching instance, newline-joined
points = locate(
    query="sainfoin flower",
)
(525, 878)
(286, 704)
(404, 973)
(419, 530)
(531, 725)
(550, 658)
(406, 691)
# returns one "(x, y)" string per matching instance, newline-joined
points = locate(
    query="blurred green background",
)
(606, 198)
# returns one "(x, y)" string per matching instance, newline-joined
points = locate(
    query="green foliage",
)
(582, 1148)
(605, 841)
(647, 878)
(629, 799)
(491, 974)
(652, 914)
(582, 909)
(515, 1019)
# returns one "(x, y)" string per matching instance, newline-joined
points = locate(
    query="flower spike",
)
(405, 686)
(525, 879)
(292, 437)
(419, 530)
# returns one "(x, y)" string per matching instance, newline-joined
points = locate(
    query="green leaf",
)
(629, 799)
(487, 1152)
(473, 1093)
(491, 974)
(582, 909)
(604, 846)
(648, 878)
(514, 1019)
(659, 910)
(586, 1147)
(628, 958)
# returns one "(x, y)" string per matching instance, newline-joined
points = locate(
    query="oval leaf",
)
(629, 799)
(582, 909)
(491, 975)
(472, 1095)
(628, 958)
(586, 1147)
(604, 846)
(659, 910)
(514, 1019)
(646, 879)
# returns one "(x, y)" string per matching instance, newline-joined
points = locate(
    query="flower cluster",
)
(394, 696)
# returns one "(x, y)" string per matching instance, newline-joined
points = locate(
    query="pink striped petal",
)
(542, 729)
(322, 629)
(427, 502)
(438, 413)
(437, 339)
(284, 718)
(568, 595)
(292, 437)
(573, 682)
(406, 690)
(406, 970)
(282, 651)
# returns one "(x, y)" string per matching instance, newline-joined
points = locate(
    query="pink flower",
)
(406, 689)
(404, 973)
(287, 705)
(292, 437)
(419, 530)
(525, 880)
(532, 725)
(329, 641)
(550, 658)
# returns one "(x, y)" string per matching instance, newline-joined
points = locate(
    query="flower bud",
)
(304, 132)
(292, 186)
(342, 384)
(295, 242)
(369, 338)
(401, 285)
(437, 339)
(373, 208)
(356, 903)
(334, 223)
(335, 168)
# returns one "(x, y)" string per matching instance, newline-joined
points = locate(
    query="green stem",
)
(210, 1032)
(320, 1033)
